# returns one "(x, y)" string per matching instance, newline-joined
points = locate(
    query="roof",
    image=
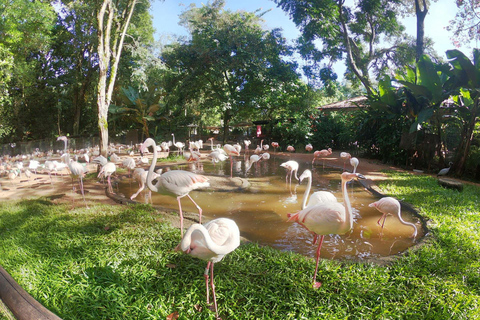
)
(351, 103)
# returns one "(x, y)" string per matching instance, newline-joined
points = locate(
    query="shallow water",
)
(261, 211)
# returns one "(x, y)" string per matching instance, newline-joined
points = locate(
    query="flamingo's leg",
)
(316, 284)
(198, 207)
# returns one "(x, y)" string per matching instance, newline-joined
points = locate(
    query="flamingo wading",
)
(177, 183)
(327, 218)
(391, 206)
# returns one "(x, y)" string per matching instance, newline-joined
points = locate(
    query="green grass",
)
(114, 262)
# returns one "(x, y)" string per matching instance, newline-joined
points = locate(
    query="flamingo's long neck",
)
(209, 243)
(152, 167)
(307, 192)
(399, 214)
(173, 137)
(348, 224)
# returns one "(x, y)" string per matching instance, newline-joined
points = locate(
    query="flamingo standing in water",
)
(291, 166)
(327, 218)
(106, 171)
(345, 156)
(231, 151)
(211, 242)
(275, 145)
(247, 144)
(391, 206)
(321, 154)
(177, 183)
(354, 163)
(140, 175)
(316, 197)
(259, 148)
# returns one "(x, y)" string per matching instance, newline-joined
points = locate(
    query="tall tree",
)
(230, 64)
(352, 33)
(113, 18)
(421, 11)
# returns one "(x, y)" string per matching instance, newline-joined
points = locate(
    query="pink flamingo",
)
(140, 175)
(275, 145)
(391, 206)
(290, 149)
(316, 197)
(177, 183)
(354, 163)
(106, 171)
(211, 242)
(321, 154)
(259, 148)
(327, 218)
(345, 156)
(231, 151)
(308, 147)
(76, 170)
(291, 166)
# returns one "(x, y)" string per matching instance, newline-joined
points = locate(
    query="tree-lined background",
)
(93, 68)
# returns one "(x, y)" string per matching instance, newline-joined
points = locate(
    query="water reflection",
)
(261, 211)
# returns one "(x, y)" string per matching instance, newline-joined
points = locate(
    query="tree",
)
(352, 33)
(465, 81)
(113, 18)
(25, 43)
(230, 65)
(466, 25)
(421, 11)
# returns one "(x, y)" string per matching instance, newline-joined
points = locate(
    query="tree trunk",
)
(421, 14)
(108, 64)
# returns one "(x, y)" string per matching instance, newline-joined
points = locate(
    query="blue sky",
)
(165, 19)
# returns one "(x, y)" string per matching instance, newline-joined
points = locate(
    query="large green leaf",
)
(427, 77)
(464, 69)
(387, 95)
(417, 90)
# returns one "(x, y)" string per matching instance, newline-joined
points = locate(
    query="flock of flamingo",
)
(321, 213)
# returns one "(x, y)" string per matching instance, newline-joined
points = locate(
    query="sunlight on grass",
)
(118, 262)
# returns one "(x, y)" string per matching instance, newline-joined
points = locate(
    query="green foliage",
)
(334, 130)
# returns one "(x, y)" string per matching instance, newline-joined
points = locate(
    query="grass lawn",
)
(118, 262)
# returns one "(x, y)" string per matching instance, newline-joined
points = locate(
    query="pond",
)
(261, 210)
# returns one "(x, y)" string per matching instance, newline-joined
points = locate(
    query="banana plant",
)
(139, 107)
(466, 81)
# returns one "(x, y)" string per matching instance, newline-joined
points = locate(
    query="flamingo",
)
(266, 147)
(140, 175)
(178, 144)
(178, 183)
(354, 163)
(254, 158)
(389, 205)
(290, 149)
(259, 148)
(65, 141)
(327, 218)
(211, 242)
(316, 197)
(309, 147)
(194, 155)
(322, 154)
(291, 166)
(107, 171)
(217, 156)
(231, 151)
(274, 146)
(247, 143)
(76, 170)
(345, 156)
(33, 165)
(129, 163)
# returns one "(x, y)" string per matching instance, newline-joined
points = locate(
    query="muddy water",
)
(261, 210)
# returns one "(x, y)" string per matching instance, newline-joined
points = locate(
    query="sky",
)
(166, 17)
